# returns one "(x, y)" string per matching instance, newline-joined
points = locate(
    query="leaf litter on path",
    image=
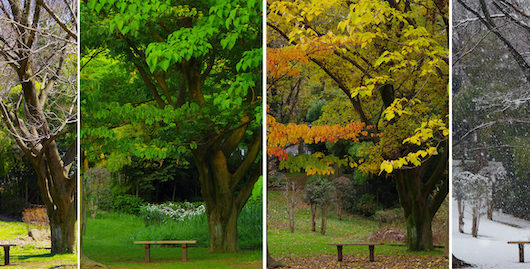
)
(381, 262)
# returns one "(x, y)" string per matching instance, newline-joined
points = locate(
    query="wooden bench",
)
(371, 247)
(521, 248)
(183, 243)
(6, 252)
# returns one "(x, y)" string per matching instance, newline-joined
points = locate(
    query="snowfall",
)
(490, 249)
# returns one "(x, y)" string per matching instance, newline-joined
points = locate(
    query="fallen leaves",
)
(381, 262)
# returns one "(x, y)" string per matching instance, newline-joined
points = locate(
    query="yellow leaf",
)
(387, 167)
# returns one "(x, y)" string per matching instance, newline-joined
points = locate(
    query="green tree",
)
(198, 63)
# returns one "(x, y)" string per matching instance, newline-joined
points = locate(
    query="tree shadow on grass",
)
(25, 257)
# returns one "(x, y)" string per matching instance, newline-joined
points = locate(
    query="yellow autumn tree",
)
(390, 60)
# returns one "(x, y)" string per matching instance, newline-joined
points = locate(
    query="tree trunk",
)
(421, 192)
(291, 217)
(323, 228)
(339, 211)
(222, 221)
(62, 227)
(225, 193)
(474, 227)
(419, 232)
(490, 209)
(313, 213)
(460, 215)
(59, 199)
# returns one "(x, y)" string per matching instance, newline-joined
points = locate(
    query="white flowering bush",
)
(162, 213)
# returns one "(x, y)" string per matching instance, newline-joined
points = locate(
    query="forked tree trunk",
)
(421, 192)
(225, 193)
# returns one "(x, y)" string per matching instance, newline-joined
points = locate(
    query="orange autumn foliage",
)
(279, 135)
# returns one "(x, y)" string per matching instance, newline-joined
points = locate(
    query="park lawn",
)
(304, 243)
(109, 240)
(30, 256)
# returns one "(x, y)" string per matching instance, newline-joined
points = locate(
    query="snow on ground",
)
(490, 249)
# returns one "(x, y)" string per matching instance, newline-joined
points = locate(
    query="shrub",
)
(389, 216)
(127, 203)
(367, 205)
(35, 216)
(162, 213)
(194, 228)
(276, 180)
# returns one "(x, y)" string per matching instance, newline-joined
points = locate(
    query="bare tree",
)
(38, 101)
(293, 198)
(505, 19)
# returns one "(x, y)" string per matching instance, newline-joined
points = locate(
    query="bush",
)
(127, 203)
(389, 216)
(194, 228)
(367, 205)
(276, 180)
(161, 214)
(36, 216)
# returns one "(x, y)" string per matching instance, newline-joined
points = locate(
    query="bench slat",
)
(165, 242)
(518, 242)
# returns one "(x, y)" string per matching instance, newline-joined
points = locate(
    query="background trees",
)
(198, 98)
(38, 102)
(491, 93)
(390, 72)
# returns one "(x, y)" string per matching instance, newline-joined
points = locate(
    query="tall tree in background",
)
(390, 61)
(38, 101)
(199, 65)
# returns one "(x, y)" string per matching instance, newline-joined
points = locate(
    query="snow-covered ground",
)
(490, 249)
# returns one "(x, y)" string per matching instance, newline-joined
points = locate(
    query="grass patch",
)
(31, 256)
(304, 243)
(109, 240)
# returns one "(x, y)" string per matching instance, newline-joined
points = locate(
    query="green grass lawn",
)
(109, 240)
(305, 243)
(30, 256)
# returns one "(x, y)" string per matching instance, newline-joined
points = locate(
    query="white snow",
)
(490, 249)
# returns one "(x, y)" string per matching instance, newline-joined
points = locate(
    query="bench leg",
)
(339, 253)
(371, 247)
(147, 253)
(184, 253)
(6, 255)
(521, 252)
